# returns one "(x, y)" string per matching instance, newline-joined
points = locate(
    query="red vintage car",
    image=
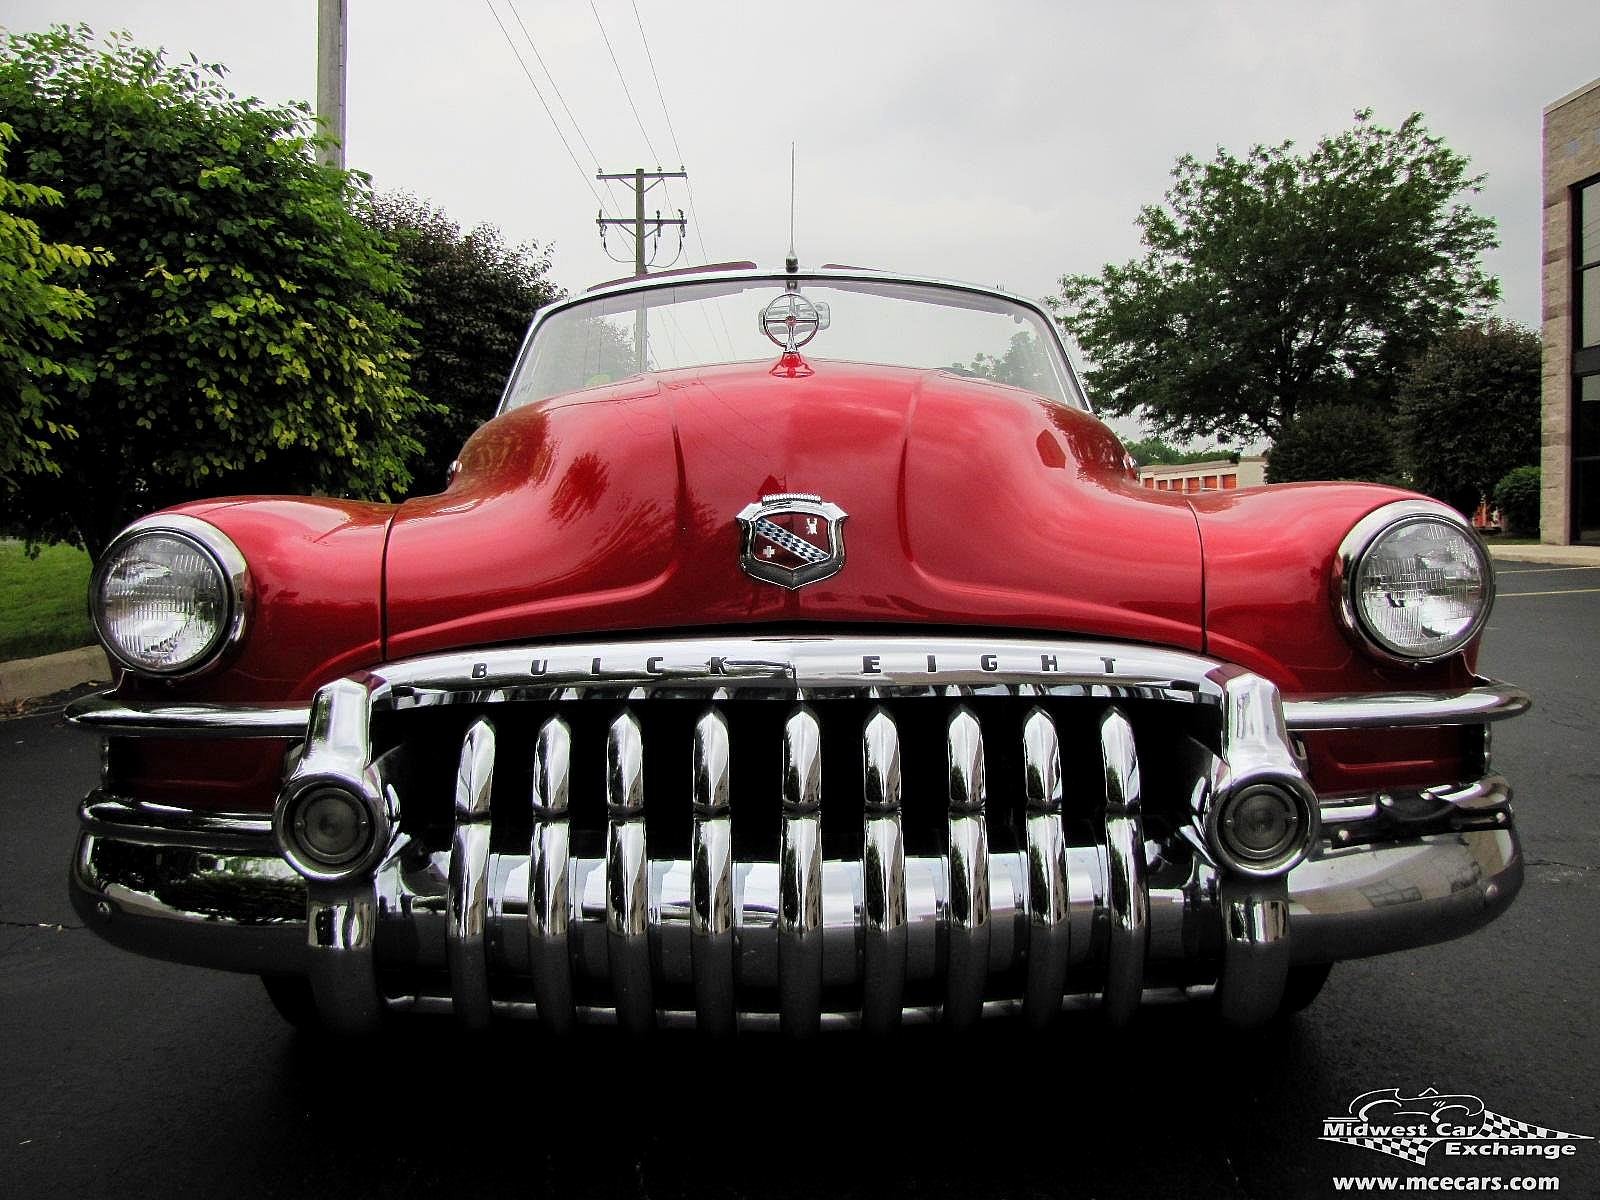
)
(794, 648)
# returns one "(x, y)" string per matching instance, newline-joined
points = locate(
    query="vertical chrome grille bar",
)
(711, 948)
(466, 949)
(967, 926)
(1047, 896)
(800, 878)
(883, 878)
(1127, 891)
(549, 900)
(627, 877)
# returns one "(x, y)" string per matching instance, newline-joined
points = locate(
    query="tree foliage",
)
(1277, 281)
(1338, 441)
(1516, 495)
(39, 322)
(1152, 452)
(471, 297)
(241, 338)
(1469, 411)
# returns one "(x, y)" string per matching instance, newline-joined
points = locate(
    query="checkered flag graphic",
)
(1412, 1149)
(1500, 1126)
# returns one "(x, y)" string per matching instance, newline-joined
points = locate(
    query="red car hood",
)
(969, 504)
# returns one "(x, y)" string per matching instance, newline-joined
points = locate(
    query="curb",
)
(1555, 556)
(30, 678)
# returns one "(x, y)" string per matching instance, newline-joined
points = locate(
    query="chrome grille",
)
(833, 830)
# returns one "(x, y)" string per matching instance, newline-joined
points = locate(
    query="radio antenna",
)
(792, 263)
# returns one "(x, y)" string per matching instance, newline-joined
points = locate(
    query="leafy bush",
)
(1335, 442)
(471, 297)
(243, 338)
(1517, 498)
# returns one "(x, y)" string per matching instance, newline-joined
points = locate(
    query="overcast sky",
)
(1000, 142)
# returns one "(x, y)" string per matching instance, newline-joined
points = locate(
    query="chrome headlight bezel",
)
(1359, 542)
(223, 556)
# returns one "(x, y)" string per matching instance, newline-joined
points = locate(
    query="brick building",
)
(1570, 503)
(1218, 475)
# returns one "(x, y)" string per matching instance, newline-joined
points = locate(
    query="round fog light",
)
(1261, 825)
(332, 827)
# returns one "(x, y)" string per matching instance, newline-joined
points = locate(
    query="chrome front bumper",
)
(802, 940)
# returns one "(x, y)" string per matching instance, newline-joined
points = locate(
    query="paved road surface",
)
(126, 1078)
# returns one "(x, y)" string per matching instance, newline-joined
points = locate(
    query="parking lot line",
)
(1545, 570)
(1556, 592)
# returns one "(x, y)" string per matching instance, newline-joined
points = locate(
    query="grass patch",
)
(43, 605)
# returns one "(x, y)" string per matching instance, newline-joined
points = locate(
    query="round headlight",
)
(168, 595)
(1416, 583)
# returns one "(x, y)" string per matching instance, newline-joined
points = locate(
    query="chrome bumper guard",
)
(801, 941)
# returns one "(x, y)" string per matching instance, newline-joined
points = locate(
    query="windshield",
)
(976, 334)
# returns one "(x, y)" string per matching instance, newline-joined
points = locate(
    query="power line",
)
(553, 122)
(623, 80)
(651, 58)
(578, 129)
(688, 184)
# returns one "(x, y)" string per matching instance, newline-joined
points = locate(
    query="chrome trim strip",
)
(466, 946)
(1048, 895)
(713, 955)
(1487, 701)
(1256, 951)
(117, 717)
(884, 936)
(768, 665)
(549, 896)
(628, 909)
(967, 930)
(800, 894)
(163, 825)
(1127, 891)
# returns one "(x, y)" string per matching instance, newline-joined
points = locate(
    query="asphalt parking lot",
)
(128, 1078)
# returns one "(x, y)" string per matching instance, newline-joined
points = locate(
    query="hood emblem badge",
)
(792, 539)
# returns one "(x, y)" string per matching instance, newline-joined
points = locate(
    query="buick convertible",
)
(794, 649)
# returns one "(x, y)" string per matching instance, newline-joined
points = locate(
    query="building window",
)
(1210, 483)
(1230, 481)
(1586, 364)
(1586, 459)
(1588, 264)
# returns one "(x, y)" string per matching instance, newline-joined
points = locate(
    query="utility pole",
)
(637, 180)
(332, 24)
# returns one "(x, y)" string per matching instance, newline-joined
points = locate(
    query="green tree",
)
(1334, 441)
(39, 321)
(1278, 281)
(242, 339)
(471, 297)
(1469, 411)
(1152, 451)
